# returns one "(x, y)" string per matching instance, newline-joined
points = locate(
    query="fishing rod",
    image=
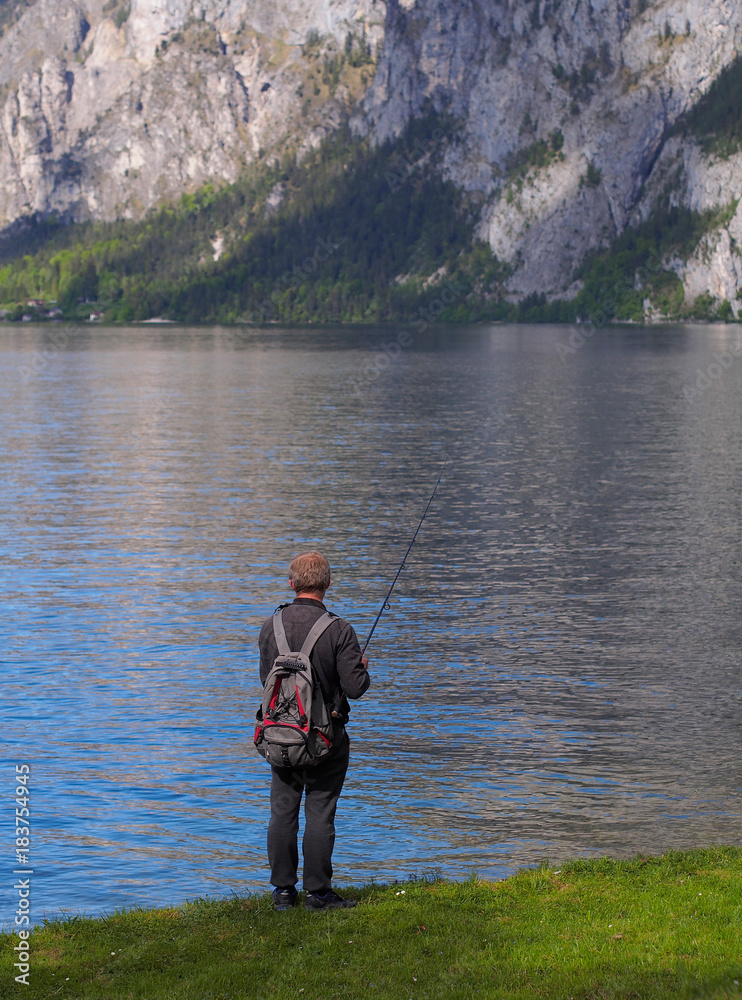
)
(385, 604)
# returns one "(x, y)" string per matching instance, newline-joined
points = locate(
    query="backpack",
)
(294, 724)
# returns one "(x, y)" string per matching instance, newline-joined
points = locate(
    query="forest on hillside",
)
(351, 233)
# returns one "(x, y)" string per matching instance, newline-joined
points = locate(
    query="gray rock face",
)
(609, 76)
(109, 106)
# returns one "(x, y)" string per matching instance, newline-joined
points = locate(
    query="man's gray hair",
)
(309, 572)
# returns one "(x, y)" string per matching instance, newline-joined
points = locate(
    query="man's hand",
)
(364, 661)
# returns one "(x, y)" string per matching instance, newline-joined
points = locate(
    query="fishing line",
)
(385, 604)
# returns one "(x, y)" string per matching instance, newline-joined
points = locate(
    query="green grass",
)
(663, 927)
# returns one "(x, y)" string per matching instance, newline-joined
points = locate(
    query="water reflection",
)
(558, 674)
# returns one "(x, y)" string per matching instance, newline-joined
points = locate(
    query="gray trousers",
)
(321, 787)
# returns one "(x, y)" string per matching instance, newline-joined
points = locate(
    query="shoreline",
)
(654, 927)
(381, 324)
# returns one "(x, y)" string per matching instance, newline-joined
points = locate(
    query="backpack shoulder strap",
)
(280, 632)
(316, 631)
(322, 623)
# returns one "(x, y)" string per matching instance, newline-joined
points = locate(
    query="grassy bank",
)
(650, 927)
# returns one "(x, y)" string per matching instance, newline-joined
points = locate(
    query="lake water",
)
(558, 674)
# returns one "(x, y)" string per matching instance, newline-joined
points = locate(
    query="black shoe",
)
(328, 901)
(284, 899)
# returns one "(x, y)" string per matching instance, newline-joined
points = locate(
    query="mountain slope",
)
(353, 230)
(568, 126)
(611, 76)
(108, 108)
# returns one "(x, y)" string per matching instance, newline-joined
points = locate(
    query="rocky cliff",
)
(108, 108)
(561, 111)
(602, 80)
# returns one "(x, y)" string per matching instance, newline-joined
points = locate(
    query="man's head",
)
(309, 574)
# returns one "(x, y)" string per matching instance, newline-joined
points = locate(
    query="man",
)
(343, 673)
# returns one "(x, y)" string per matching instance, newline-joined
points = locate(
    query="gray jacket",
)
(336, 657)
